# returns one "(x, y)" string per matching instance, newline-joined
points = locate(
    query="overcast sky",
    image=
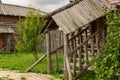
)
(45, 5)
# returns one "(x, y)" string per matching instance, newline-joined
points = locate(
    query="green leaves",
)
(107, 65)
(28, 32)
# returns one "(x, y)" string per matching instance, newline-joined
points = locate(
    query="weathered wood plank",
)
(86, 47)
(74, 58)
(66, 60)
(48, 46)
(80, 52)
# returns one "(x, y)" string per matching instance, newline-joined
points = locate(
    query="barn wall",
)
(11, 22)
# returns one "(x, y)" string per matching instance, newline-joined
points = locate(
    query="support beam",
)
(37, 62)
(80, 52)
(86, 47)
(48, 49)
(67, 72)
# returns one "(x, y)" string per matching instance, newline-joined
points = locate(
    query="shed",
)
(83, 30)
(9, 16)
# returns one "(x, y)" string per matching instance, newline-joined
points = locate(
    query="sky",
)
(44, 5)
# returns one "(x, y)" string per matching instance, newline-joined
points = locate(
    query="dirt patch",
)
(15, 75)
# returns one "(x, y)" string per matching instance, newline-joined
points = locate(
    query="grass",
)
(22, 61)
(88, 75)
(5, 78)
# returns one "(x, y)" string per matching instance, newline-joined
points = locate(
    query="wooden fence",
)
(56, 40)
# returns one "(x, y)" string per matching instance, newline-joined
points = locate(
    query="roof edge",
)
(23, 7)
(61, 9)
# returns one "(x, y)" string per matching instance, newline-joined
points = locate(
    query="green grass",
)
(88, 75)
(22, 61)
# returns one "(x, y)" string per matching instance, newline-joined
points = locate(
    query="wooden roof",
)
(6, 29)
(77, 14)
(14, 10)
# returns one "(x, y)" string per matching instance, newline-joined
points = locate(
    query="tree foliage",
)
(107, 65)
(28, 30)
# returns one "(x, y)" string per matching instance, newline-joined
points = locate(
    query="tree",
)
(28, 33)
(107, 65)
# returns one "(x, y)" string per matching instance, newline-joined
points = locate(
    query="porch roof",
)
(6, 29)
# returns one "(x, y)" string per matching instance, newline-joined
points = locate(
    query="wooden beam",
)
(92, 46)
(66, 60)
(80, 52)
(82, 71)
(37, 62)
(74, 58)
(86, 47)
(48, 49)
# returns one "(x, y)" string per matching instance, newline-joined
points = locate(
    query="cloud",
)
(45, 5)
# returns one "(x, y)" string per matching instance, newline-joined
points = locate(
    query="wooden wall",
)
(9, 21)
(56, 37)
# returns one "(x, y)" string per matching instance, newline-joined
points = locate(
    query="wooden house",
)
(9, 16)
(83, 31)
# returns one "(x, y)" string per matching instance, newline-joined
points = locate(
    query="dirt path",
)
(14, 75)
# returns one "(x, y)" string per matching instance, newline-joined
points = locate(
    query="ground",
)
(15, 75)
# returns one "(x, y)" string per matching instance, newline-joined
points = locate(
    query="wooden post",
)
(56, 61)
(74, 58)
(48, 49)
(97, 42)
(86, 46)
(80, 52)
(92, 46)
(66, 60)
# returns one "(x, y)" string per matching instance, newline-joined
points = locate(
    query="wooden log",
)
(80, 52)
(74, 59)
(66, 60)
(86, 47)
(65, 51)
(37, 62)
(82, 71)
(52, 52)
(71, 42)
(48, 47)
(92, 46)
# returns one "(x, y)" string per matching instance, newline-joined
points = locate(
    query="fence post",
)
(48, 49)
